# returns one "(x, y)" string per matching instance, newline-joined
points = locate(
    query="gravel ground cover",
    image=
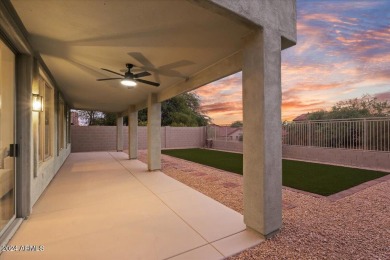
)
(354, 227)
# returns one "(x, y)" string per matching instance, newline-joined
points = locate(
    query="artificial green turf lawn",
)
(312, 177)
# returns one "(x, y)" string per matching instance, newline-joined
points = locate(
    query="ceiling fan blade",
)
(141, 59)
(148, 82)
(108, 79)
(172, 73)
(142, 74)
(177, 64)
(113, 72)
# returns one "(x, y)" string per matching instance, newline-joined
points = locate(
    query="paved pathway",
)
(103, 206)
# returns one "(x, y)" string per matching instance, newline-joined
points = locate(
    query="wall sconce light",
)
(37, 103)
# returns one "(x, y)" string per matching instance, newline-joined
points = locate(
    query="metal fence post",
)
(309, 134)
(225, 133)
(166, 137)
(365, 134)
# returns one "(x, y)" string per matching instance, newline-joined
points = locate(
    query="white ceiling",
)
(76, 38)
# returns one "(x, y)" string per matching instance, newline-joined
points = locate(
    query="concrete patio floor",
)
(103, 206)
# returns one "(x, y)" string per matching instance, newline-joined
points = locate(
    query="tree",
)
(236, 124)
(107, 119)
(366, 106)
(182, 110)
(318, 115)
(89, 117)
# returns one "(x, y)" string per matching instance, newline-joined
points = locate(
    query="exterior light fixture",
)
(37, 103)
(128, 82)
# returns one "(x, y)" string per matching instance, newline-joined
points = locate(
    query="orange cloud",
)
(318, 86)
(222, 107)
(223, 112)
(301, 105)
(207, 91)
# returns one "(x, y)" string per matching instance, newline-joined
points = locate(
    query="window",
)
(68, 120)
(48, 108)
(45, 121)
(61, 124)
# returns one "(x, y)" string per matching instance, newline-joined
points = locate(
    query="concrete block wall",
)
(93, 138)
(227, 146)
(354, 158)
(103, 138)
(142, 138)
(179, 137)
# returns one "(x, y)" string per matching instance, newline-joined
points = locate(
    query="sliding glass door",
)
(7, 136)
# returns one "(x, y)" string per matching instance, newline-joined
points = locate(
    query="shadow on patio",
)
(103, 206)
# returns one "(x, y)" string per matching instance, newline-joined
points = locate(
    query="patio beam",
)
(262, 145)
(133, 132)
(13, 28)
(225, 67)
(135, 108)
(154, 135)
(119, 133)
(278, 15)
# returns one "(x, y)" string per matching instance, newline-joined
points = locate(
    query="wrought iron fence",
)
(359, 134)
(224, 133)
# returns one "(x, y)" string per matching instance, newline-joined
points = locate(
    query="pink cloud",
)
(331, 18)
(384, 96)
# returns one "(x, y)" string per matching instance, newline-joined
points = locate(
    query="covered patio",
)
(103, 206)
(60, 50)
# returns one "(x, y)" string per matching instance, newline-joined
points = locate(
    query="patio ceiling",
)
(176, 39)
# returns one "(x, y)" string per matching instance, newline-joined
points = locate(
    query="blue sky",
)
(343, 52)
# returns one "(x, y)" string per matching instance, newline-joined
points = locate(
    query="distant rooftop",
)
(302, 117)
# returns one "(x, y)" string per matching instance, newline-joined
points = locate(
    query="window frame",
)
(46, 150)
(61, 127)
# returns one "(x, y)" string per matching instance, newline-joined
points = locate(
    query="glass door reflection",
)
(7, 136)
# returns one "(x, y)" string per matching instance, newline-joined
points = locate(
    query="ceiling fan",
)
(130, 79)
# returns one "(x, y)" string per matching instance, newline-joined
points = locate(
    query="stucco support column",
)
(133, 132)
(262, 132)
(119, 133)
(154, 135)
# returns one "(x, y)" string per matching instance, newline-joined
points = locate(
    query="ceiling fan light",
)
(128, 82)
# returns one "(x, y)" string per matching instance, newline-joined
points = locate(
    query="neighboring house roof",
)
(302, 117)
(235, 130)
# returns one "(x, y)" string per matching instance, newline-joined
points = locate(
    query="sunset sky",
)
(343, 52)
